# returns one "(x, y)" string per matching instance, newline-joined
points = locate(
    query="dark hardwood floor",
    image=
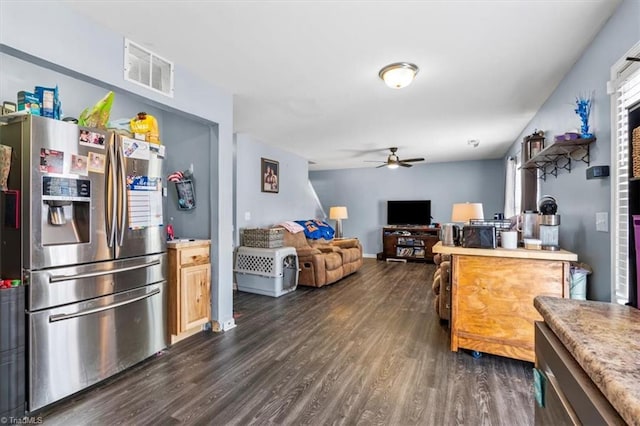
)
(366, 350)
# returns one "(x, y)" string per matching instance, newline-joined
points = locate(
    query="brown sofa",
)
(442, 286)
(324, 262)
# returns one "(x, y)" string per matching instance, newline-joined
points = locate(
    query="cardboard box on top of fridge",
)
(46, 96)
(28, 102)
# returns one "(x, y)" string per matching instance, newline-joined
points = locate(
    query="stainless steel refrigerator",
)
(82, 226)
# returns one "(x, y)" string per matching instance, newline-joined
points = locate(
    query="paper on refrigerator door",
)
(144, 196)
(5, 165)
(132, 148)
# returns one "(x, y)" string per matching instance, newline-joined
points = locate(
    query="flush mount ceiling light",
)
(398, 75)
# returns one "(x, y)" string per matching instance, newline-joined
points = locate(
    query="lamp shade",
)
(398, 75)
(339, 212)
(464, 212)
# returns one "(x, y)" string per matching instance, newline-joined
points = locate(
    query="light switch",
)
(247, 215)
(602, 222)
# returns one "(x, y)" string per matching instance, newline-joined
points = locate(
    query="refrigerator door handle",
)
(62, 317)
(60, 278)
(109, 205)
(122, 194)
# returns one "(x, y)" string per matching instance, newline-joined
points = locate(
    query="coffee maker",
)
(549, 223)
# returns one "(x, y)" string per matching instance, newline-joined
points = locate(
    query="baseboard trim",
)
(226, 326)
(369, 255)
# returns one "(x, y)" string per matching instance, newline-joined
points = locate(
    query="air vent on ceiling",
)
(141, 66)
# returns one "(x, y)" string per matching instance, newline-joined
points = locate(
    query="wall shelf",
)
(558, 156)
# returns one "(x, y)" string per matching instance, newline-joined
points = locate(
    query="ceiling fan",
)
(393, 161)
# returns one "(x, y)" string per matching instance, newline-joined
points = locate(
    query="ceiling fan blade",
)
(374, 161)
(381, 165)
(412, 160)
(403, 164)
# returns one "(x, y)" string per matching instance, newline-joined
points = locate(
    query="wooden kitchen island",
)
(492, 292)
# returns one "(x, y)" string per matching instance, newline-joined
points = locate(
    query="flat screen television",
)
(415, 212)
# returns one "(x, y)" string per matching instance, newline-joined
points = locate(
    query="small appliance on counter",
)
(450, 234)
(549, 223)
(528, 225)
(500, 226)
(479, 236)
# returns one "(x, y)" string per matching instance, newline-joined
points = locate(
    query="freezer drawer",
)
(60, 286)
(78, 345)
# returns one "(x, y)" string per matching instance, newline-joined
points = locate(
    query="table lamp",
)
(338, 213)
(464, 212)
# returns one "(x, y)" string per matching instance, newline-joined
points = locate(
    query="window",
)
(518, 186)
(625, 94)
(144, 67)
(513, 188)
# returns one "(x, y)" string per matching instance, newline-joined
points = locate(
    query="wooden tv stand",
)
(409, 242)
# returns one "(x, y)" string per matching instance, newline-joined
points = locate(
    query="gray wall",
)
(78, 47)
(293, 202)
(76, 95)
(188, 143)
(579, 199)
(365, 192)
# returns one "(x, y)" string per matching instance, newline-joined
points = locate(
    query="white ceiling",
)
(304, 74)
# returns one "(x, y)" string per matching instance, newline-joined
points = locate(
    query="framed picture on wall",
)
(270, 176)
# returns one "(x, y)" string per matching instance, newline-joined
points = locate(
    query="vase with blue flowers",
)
(583, 109)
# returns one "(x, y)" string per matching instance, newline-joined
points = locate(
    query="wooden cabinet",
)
(567, 394)
(492, 292)
(409, 242)
(189, 287)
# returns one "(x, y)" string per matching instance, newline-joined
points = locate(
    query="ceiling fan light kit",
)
(399, 74)
(393, 161)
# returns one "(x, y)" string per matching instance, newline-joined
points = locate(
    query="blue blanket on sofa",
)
(315, 229)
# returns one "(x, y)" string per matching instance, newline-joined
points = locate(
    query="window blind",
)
(626, 95)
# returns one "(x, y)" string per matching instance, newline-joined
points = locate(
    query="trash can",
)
(578, 287)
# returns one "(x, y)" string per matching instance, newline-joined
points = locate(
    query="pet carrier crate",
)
(270, 272)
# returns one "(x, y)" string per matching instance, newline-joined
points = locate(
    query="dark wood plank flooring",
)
(366, 350)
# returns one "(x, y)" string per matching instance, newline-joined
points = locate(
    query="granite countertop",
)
(604, 338)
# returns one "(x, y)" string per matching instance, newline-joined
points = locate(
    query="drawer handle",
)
(62, 317)
(59, 278)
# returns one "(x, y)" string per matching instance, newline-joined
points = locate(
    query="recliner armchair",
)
(324, 262)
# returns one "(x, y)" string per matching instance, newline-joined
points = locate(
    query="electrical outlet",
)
(602, 222)
(247, 215)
